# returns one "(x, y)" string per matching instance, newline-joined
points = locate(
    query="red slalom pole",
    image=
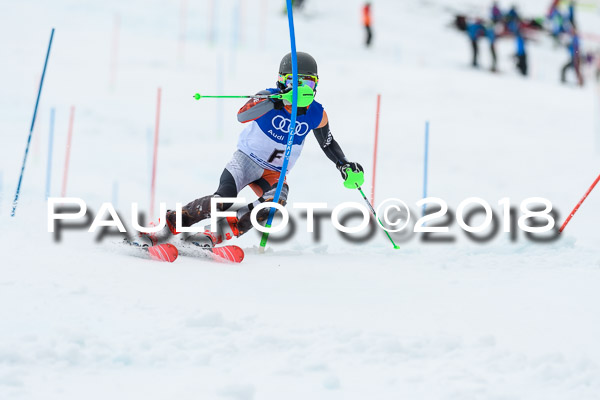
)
(153, 186)
(68, 153)
(579, 204)
(375, 149)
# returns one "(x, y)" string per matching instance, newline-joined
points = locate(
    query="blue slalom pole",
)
(50, 145)
(426, 162)
(290, 142)
(37, 102)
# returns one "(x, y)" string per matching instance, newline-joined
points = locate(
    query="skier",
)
(367, 23)
(258, 160)
(575, 60)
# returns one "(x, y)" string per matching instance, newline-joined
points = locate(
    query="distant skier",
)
(575, 58)
(366, 14)
(521, 53)
(258, 160)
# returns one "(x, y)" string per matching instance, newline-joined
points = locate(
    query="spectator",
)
(575, 58)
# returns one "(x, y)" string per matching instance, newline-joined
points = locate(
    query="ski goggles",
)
(308, 80)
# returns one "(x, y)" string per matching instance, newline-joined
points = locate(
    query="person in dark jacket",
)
(496, 14)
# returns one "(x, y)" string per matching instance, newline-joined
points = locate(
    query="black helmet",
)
(306, 64)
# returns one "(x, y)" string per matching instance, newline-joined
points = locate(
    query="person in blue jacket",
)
(475, 30)
(521, 54)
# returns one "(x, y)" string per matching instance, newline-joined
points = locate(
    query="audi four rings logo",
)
(283, 124)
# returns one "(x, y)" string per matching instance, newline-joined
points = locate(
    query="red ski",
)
(227, 254)
(161, 252)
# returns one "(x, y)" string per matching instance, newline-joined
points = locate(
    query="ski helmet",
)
(306, 64)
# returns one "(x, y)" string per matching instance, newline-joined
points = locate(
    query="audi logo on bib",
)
(283, 124)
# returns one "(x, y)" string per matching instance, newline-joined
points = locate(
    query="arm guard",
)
(255, 108)
(330, 147)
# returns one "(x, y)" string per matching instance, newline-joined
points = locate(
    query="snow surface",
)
(318, 320)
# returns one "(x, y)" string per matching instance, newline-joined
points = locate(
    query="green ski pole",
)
(305, 96)
(351, 182)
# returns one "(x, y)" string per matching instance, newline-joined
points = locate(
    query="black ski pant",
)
(494, 58)
(200, 209)
(575, 65)
(369, 35)
(475, 48)
(522, 63)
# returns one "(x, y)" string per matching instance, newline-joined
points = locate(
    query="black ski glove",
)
(342, 166)
(278, 103)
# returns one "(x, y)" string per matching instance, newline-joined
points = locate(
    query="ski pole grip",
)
(354, 179)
